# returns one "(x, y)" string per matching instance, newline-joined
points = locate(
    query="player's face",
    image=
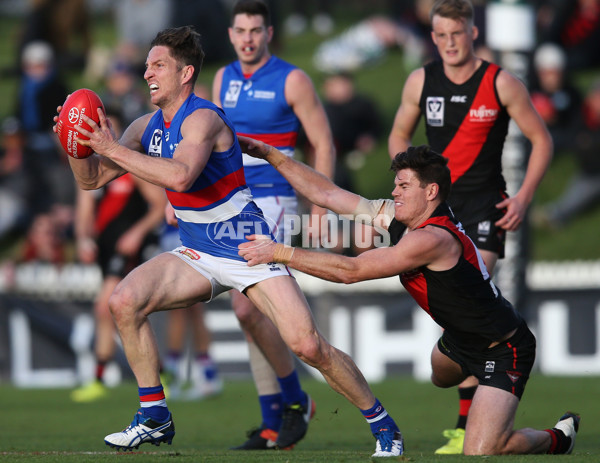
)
(410, 198)
(250, 38)
(454, 39)
(163, 75)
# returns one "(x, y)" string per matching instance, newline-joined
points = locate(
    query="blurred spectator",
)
(65, 25)
(41, 90)
(556, 99)
(138, 22)
(320, 11)
(355, 123)
(575, 26)
(211, 19)
(407, 27)
(14, 183)
(123, 92)
(583, 190)
(44, 242)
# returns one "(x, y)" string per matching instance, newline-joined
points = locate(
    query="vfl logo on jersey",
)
(435, 111)
(483, 114)
(232, 94)
(490, 366)
(155, 148)
(458, 99)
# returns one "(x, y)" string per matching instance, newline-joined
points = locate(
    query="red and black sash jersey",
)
(120, 206)
(468, 125)
(462, 300)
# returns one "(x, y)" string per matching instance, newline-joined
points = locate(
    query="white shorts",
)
(225, 274)
(281, 210)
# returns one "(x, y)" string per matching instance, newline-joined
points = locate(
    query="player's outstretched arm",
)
(311, 184)
(431, 246)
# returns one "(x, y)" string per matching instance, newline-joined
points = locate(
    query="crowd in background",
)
(37, 191)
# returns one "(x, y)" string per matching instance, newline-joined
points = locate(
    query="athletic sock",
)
(465, 399)
(378, 418)
(271, 407)
(152, 400)
(291, 390)
(560, 443)
(207, 366)
(100, 366)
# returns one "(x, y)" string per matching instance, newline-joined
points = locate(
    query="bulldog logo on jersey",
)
(233, 94)
(155, 148)
(435, 111)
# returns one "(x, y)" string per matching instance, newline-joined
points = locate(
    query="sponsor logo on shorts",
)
(189, 253)
(490, 366)
(274, 267)
(483, 228)
(513, 375)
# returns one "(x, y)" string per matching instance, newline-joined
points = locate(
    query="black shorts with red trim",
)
(506, 366)
(478, 213)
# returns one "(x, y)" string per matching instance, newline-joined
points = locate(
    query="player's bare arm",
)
(431, 247)
(216, 87)
(408, 114)
(514, 95)
(302, 97)
(202, 132)
(313, 185)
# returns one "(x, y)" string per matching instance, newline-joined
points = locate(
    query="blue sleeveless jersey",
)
(217, 212)
(257, 107)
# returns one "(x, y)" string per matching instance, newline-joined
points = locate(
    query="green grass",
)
(44, 425)
(383, 82)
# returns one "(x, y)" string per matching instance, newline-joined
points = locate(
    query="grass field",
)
(45, 426)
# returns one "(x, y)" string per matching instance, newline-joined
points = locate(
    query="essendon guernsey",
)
(467, 124)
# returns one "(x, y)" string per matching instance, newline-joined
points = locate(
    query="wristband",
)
(283, 254)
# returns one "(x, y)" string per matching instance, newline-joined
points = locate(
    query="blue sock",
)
(153, 402)
(271, 407)
(291, 390)
(378, 418)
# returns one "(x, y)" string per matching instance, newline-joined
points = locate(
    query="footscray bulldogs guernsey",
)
(467, 124)
(257, 107)
(217, 212)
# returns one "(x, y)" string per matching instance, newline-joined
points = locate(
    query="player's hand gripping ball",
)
(80, 102)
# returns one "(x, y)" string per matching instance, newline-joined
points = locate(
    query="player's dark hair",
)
(252, 8)
(452, 9)
(429, 167)
(185, 45)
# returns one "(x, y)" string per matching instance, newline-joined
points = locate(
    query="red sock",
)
(465, 396)
(560, 443)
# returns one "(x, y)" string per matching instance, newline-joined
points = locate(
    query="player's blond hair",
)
(452, 9)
